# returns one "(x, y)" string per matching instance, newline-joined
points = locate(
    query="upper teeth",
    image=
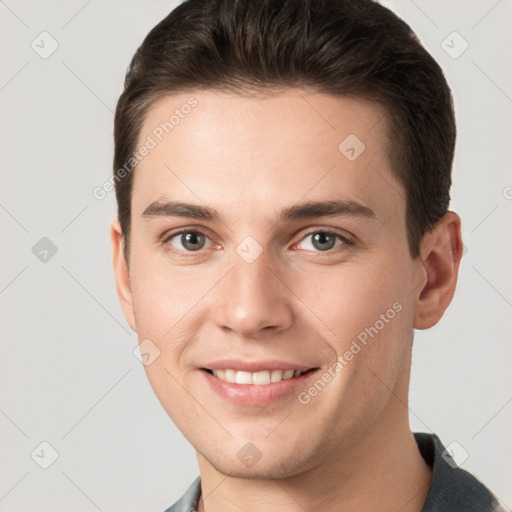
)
(258, 378)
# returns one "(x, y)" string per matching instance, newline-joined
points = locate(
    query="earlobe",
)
(441, 252)
(121, 273)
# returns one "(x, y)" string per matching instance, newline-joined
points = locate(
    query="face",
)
(287, 251)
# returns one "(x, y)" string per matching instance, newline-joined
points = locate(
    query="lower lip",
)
(253, 395)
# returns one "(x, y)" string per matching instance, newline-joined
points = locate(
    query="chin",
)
(257, 467)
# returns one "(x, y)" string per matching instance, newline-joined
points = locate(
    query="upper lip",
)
(255, 366)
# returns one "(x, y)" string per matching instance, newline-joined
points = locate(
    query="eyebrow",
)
(308, 210)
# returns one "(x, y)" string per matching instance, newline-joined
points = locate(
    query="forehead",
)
(207, 146)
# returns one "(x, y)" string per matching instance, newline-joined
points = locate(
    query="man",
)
(282, 173)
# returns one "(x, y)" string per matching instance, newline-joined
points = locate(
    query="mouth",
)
(261, 378)
(256, 384)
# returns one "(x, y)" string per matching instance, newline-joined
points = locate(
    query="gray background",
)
(68, 373)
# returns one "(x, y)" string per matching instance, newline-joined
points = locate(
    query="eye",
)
(323, 241)
(187, 241)
(193, 241)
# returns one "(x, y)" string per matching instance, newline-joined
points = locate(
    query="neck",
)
(381, 470)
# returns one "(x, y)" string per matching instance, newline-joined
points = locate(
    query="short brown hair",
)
(342, 47)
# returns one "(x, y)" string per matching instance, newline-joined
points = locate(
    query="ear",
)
(121, 273)
(440, 255)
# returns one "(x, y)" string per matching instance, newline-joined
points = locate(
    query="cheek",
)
(163, 295)
(164, 303)
(365, 311)
(346, 300)
(170, 306)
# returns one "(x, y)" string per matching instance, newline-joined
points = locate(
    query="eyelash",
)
(347, 241)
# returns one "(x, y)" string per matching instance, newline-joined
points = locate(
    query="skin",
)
(351, 446)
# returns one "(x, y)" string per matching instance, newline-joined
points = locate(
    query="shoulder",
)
(452, 488)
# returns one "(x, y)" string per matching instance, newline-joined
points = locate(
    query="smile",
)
(262, 378)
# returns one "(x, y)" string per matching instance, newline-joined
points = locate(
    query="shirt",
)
(452, 489)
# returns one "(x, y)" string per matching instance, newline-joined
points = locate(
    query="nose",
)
(252, 300)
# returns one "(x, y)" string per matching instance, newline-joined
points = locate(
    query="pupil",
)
(321, 239)
(190, 241)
